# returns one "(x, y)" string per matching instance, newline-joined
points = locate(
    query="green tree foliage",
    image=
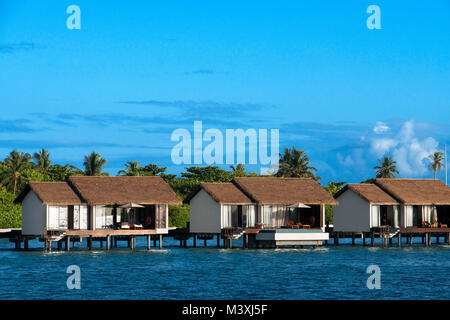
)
(132, 168)
(10, 213)
(436, 162)
(13, 168)
(42, 159)
(179, 216)
(296, 163)
(387, 168)
(332, 188)
(57, 172)
(207, 174)
(93, 165)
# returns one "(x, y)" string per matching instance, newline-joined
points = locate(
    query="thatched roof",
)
(370, 192)
(222, 192)
(124, 189)
(416, 191)
(58, 193)
(264, 190)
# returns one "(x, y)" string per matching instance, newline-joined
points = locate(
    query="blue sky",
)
(138, 70)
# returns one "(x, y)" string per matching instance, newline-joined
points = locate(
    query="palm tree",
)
(93, 165)
(132, 168)
(295, 163)
(42, 159)
(13, 168)
(387, 168)
(436, 162)
(238, 170)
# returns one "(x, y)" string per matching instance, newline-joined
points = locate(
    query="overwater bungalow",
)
(268, 212)
(393, 206)
(96, 207)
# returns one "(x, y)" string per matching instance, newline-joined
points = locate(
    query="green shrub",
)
(179, 216)
(10, 213)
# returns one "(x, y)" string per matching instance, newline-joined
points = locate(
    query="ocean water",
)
(209, 273)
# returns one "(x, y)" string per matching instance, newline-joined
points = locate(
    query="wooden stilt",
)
(204, 242)
(390, 241)
(50, 245)
(108, 242)
(101, 243)
(373, 239)
(149, 240)
(67, 243)
(399, 239)
(218, 241)
(59, 245)
(115, 242)
(90, 242)
(410, 239)
(73, 243)
(336, 239)
(45, 244)
(160, 241)
(437, 239)
(181, 243)
(423, 239)
(426, 239)
(448, 238)
(231, 243)
(364, 239)
(25, 244)
(353, 238)
(195, 241)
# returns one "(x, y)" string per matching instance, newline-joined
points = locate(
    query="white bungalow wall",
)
(352, 214)
(205, 214)
(34, 215)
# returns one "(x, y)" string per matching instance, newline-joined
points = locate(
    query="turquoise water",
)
(209, 273)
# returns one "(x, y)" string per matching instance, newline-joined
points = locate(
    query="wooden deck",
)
(110, 232)
(424, 230)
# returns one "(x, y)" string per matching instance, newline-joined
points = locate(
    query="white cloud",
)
(408, 150)
(380, 128)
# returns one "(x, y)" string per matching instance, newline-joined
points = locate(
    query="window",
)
(161, 216)
(267, 218)
(409, 212)
(57, 217)
(248, 216)
(375, 216)
(396, 216)
(80, 217)
(103, 217)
